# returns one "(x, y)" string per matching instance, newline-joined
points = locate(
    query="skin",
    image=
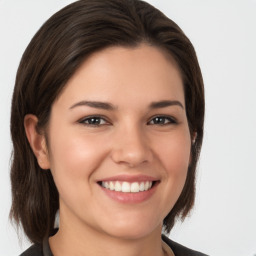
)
(128, 140)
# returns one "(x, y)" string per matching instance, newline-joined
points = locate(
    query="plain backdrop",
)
(223, 33)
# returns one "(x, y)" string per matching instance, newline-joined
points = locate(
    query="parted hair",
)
(56, 51)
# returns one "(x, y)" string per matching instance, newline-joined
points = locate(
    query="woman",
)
(107, 125)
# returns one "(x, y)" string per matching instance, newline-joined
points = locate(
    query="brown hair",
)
(52, 57)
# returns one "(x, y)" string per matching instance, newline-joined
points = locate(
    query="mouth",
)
(128, 187)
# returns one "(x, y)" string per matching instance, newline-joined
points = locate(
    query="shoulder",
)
(34, 250)
(180, 250)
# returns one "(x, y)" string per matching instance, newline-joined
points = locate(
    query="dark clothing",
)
(180, 250)
(38, 249)
(44, 249)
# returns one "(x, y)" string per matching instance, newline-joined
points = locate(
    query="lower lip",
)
(131, 197)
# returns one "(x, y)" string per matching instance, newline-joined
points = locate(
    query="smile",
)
(127, 187)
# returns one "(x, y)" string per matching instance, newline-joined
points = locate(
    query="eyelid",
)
(172, 119)
(82, 120)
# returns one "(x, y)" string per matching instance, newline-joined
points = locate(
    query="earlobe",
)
(193, 140)
(194, 136)
(37, 141)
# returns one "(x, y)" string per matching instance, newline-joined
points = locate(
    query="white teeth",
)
(135, 187)
(111, 185)
(146, 185)
(127, 187)
(118, 186)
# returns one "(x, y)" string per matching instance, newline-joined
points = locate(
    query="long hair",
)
(57, 50)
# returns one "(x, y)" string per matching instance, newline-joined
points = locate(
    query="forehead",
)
(139, 73)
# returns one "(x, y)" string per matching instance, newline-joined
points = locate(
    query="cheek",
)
(175, 157)
(73, 159)
(175, 154)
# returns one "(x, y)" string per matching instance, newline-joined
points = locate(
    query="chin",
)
(131, 231)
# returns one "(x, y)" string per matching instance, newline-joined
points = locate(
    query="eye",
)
(162, 120)
(93, 121)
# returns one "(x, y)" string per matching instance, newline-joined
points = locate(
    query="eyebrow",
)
(94, 104)
(165, 103)
(109, 106)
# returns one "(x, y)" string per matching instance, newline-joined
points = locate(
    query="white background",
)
(223, 32)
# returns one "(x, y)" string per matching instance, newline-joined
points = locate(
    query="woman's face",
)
(119, 142)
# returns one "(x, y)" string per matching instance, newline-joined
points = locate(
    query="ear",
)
(193, 140)
(37, 141)
(194, 136)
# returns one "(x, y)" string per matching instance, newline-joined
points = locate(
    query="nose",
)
(131, 147)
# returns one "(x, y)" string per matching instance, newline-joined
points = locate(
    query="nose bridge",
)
(131, 146)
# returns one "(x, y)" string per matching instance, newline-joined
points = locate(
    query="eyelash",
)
(95, 121)
(90, 121)
(170, 120)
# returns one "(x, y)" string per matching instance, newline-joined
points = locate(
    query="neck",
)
(81, 240)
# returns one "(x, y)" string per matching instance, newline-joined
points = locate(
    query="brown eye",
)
(93, 121)
(162, 120)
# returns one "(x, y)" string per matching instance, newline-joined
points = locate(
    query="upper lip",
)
(130, 178)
